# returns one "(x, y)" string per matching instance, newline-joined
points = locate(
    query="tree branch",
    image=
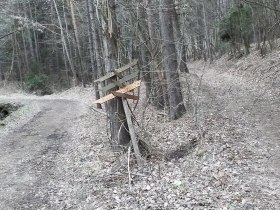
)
(260, 4)
(2, 37)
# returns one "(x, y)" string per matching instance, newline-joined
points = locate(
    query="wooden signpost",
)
(119, 93)
(120, 85)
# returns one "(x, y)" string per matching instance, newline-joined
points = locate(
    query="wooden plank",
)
(122, 80)
(125, 95)
(122, 90)
(132, 132)
(118, 74)
(118, 84)
(119, 70)
(127, 66)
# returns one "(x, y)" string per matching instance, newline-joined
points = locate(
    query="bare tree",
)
(177, 107)
(118, 123)
(65, 48)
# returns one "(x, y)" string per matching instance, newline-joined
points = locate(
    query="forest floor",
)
(223, 154)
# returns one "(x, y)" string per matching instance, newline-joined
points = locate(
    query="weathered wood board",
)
(132, 132)
(117, 71)
(125, 95)
(122, 80)
(125, 89)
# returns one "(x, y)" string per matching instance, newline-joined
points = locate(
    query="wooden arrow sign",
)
(117, 71)
(125, 89)
(125, 95)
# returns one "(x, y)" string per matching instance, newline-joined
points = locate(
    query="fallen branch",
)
(2, 37)
(97, 110)
(128, 167)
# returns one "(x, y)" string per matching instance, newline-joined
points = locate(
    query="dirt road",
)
(28, 155)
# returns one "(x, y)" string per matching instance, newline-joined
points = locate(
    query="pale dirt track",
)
(28, 155)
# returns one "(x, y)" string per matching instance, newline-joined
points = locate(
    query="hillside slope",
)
(223, 154)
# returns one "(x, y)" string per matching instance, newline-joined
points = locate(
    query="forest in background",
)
(62, 41)
(55, 44)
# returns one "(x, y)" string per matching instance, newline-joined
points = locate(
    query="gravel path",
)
(28, 154)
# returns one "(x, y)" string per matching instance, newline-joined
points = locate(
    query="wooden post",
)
(132, 132)
(122, 93)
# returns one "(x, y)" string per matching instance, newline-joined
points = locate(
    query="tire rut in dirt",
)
(43, 166)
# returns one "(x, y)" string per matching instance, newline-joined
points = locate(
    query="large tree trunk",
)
(146, 70)
(177, 107)
(200, 35)
(66, 50)
(207, 37)
(157, 77)
(145, 48)
(180, 45)
(94, 48)
(77, 39)
(118, 123)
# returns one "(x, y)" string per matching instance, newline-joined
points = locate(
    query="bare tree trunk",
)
(193, 49)
(144, 50)
(34, 32)
(146, 70)
(26, 60)
(8, 74)
(179, 39)
(200, 36)
(177, 107)
(94, 48)
(118, 123)
(77, 39)
(19, 60)
(208, 45)
(157, 77)
(30, 43)
(65, 45)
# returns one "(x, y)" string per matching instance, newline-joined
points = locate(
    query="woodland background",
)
(61, 43)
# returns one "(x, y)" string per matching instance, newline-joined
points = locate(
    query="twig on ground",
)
(97, 110)
(128, 167)
(198, 94)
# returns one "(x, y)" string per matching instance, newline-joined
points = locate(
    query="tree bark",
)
(118, 124)
(77, 39)
(179, 39)
(157, 77)
(176, 104)
(200, 36)
(65, 45)
(94, 49)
